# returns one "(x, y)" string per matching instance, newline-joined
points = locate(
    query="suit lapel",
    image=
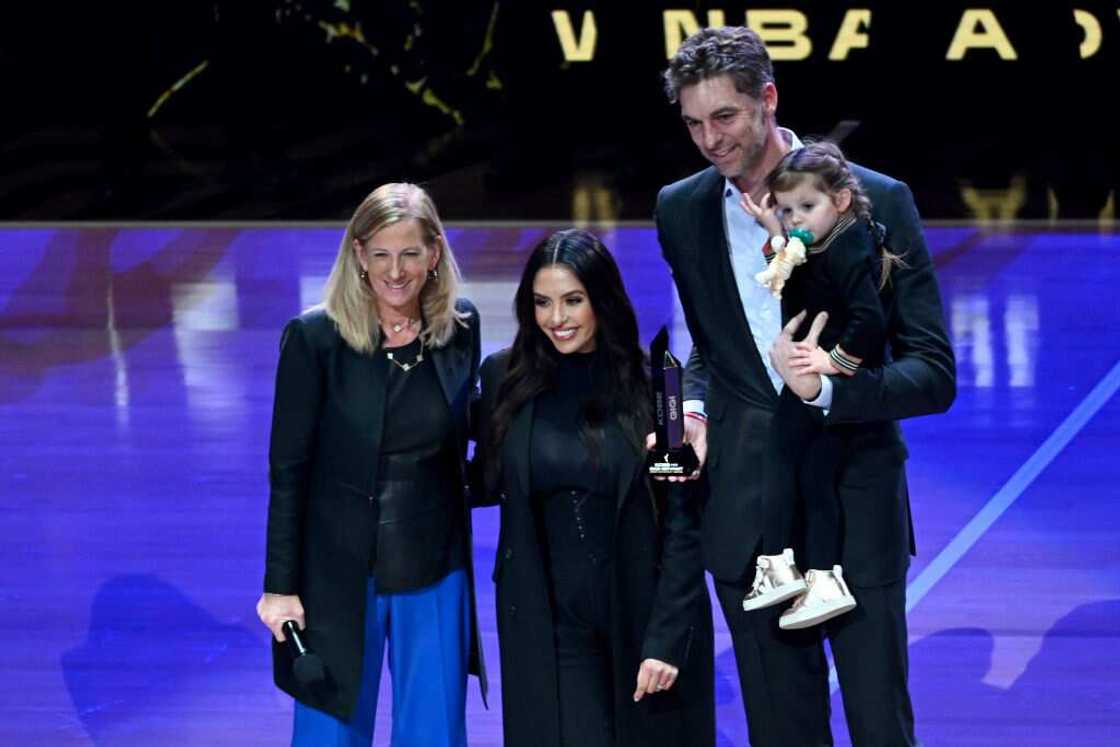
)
(451, 367)
(631, 465)
(717, 273)
(516, 447)
(715, 253)
(373, 400)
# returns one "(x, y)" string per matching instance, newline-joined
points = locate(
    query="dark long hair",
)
(533, 358)
(824, 163)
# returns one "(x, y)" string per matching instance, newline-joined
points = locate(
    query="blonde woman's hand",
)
(276, 609)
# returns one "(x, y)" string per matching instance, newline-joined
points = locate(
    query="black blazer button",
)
(513, 610)
(503, 497)
(509, 553)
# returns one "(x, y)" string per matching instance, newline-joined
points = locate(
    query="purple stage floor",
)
(136, 371)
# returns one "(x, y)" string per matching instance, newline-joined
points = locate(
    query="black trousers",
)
(784, 675)
(578, 530)
(804, 460)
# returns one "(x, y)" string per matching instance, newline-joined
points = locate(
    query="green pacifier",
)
(804, 234)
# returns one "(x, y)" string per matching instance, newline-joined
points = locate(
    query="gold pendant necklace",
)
(401, 325)
(406, 367)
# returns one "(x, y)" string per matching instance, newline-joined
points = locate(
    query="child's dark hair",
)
(825, 164)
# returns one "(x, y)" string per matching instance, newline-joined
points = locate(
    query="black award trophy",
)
(670, 456)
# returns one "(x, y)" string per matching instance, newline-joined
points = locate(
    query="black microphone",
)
(306, 664)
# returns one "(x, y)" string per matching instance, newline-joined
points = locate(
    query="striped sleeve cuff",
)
(768, 250)
(843, 362)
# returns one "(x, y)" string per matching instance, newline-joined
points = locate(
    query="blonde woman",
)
(368, 525)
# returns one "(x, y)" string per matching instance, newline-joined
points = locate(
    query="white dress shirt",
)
(745, 237)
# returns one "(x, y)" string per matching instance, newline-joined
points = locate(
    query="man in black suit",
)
(724, 83)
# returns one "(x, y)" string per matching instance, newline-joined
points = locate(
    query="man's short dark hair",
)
(736, 51)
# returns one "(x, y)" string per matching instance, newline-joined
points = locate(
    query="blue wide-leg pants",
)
(429, 642)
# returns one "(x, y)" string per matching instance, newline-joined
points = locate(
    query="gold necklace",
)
(406, 367)
(410, 323)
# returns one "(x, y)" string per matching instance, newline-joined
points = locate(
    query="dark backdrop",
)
(275, 109)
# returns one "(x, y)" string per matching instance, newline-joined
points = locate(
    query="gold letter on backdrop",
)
(582, 50)
(980, 29)
(681, 24)
(787, 27)
(852, 33)
(1088, 22)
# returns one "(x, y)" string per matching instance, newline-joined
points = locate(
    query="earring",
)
(364, 276)
(433, 274)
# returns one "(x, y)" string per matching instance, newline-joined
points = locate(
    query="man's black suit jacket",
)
(726, 371)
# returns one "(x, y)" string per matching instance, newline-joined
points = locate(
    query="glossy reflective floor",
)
(136, 371)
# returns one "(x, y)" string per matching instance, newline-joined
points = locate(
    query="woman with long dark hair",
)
(603, 617)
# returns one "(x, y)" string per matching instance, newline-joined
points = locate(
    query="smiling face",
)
(563, 310)
(807, 206)
(731, 129)
(397, 261)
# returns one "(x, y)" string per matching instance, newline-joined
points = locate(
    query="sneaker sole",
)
(775, 596)
(819, 614)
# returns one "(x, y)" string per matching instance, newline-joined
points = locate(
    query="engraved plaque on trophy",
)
(670, 456)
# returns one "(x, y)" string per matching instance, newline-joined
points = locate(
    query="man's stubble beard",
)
(752, 157)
